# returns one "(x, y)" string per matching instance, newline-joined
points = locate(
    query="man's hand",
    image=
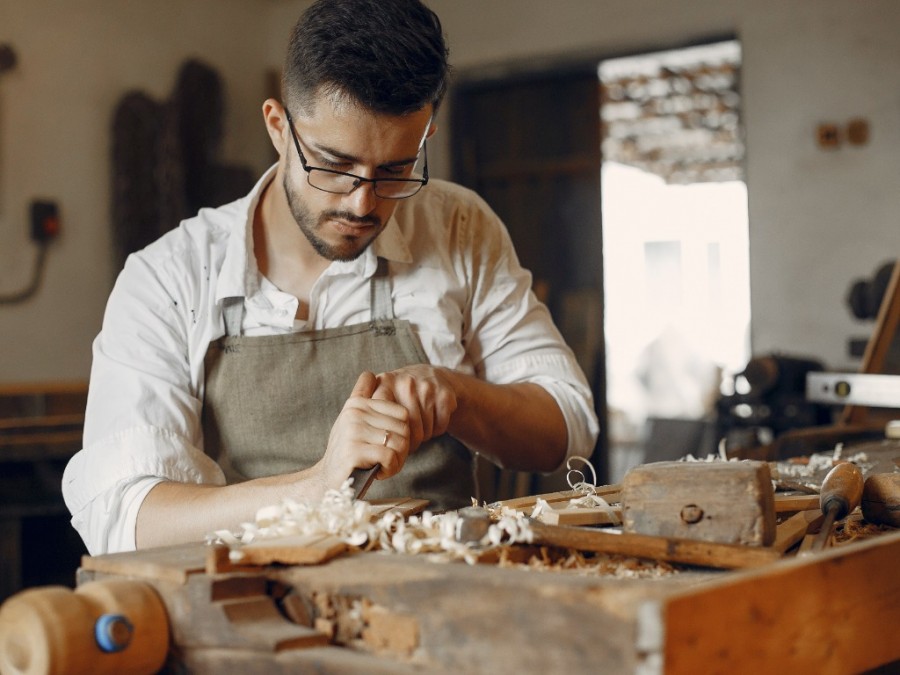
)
(426, 393)
(368, 431)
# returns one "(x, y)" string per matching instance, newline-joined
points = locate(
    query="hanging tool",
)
(841, 493)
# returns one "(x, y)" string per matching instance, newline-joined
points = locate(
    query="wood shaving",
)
(338, 514)
(590, 564)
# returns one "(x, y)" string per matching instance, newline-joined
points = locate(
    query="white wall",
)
(817, 219)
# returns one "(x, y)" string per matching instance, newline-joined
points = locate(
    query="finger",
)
(365, 385)
(383, 390)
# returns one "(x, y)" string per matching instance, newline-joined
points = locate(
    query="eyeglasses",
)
(343, 183)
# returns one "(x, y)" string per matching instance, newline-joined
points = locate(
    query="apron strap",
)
(380, 303)
(233, 313)
(380, 293)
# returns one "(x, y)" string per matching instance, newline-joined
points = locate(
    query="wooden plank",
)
(669, 549)
(832, 612)
(406, 506)
(293, 550)
(28, 424)
(609, 492)
(166, 563)
(593, 515)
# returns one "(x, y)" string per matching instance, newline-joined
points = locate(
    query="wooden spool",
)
(51, 630)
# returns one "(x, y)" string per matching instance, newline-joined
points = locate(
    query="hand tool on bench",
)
(841, 493)
(881, 499)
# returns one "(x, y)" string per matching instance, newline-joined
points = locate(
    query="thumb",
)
(365, 385)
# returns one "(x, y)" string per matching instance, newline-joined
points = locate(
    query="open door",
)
(530, 145)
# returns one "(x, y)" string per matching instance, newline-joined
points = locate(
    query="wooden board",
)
(833, 612)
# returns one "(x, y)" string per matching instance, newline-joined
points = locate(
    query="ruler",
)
(881, 391)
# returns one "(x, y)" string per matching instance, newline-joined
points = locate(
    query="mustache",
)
(351, 218)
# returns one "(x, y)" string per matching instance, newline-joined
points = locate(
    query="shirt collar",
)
(239, 276)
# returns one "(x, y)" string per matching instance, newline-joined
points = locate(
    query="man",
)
(348, 312)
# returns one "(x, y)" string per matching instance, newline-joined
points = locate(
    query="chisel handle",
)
(841, 490)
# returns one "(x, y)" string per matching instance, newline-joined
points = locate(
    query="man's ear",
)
(276, 124)
(431, 130)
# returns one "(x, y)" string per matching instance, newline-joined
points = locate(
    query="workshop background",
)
(820, 216)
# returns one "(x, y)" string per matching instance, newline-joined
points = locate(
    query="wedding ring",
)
(387, 437)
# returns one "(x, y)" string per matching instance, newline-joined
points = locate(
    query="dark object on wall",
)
(865, 295)
(8, 58)
(165, 159)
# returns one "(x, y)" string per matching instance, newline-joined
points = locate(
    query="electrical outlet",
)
(44, 221)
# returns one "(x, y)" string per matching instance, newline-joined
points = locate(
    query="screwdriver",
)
(841, 493)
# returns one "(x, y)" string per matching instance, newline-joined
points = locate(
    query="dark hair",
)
(387, 55)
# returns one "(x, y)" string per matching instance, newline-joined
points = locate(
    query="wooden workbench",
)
(831, 612)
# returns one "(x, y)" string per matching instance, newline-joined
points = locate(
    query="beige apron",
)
(271, 400)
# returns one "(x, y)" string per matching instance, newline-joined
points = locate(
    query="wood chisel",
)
(841, 493)
(362, 480)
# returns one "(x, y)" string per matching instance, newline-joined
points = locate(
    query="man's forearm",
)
(174, 513)
(517, 426)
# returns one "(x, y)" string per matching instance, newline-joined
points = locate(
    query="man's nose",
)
(363, 199)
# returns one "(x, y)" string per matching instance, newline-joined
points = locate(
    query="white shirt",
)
(454, 276)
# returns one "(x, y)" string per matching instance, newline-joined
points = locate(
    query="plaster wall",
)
(818, 219)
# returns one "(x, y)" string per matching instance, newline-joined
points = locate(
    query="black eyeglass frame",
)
(358, 180)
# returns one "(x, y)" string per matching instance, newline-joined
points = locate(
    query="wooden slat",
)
(795, 528)
(788, 503)
(669, 549)
(832, 612)
(48, 422)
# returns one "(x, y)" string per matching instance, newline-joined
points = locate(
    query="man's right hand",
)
(366, 432)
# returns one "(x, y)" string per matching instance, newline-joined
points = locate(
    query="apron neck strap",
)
(233, 313)
(379, 301)
(380, 293)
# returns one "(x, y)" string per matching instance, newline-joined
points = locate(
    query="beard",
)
(348, 247)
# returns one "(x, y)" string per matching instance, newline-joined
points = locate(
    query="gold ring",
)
(387, 437)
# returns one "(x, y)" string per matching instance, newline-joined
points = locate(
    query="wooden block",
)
(723, 502)
(293, 550)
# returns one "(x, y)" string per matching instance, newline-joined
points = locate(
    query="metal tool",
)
(854, 389)
(841, 493)
(362, 480)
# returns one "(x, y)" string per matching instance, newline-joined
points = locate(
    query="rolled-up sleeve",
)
(511, 336)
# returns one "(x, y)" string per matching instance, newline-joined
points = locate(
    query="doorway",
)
(676, 251)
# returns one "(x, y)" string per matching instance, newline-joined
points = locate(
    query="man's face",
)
(341, 136)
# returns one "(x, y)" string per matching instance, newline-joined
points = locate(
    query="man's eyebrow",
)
(337, 154)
